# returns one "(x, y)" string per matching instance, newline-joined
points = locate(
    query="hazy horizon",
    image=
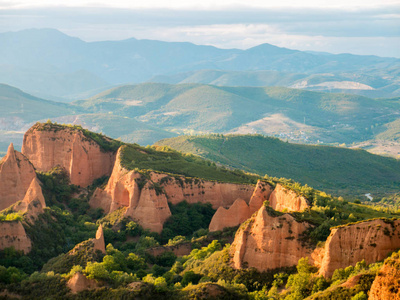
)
(325, 26)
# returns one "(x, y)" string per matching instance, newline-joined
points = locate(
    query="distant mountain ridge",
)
(64, 66)
(148, 112)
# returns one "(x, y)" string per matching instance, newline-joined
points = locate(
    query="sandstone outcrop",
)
(79, 282)
(386, 285)
(285, 199)
(33, 203)
(261, 193)
(370, 240)
(12, 234)
(16, 175)
(98, 241)
(148, 203)
(267, 241)
(233, 216)
(280, 199)
(49, 145)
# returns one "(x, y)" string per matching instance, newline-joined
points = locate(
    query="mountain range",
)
(53, 65)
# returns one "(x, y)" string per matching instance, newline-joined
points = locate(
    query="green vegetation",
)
(186, 219)
(166, 160)
(335, 170)
(10, 217)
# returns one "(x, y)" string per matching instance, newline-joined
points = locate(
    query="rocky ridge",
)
(279, 198)
(369, 240)
(271, 240)
(49, 145)
(145, 197)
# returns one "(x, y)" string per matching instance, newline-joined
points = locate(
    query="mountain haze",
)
(66, 67)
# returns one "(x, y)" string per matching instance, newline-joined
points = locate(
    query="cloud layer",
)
(360, 31)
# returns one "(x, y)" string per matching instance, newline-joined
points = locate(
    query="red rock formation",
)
(99, 243)
(285, 199)
(268, 242)
(261, 193)
(370, 240)
(82, 158)
(16, 175)
(149, 204)
(386, 285)
(80, 282)
(33, 203)
(235, 215)
(280, 199)
(12, 234)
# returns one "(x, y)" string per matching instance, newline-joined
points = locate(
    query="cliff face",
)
(81, 157)
(12, 234)
(33, 203)
(285, 199)
(235, 215)
(268, 242)
(370, 240)
(386, 285)
(16, 175)
(148, 203)
(279, 198)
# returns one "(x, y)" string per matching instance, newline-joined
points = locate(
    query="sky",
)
(340, 26)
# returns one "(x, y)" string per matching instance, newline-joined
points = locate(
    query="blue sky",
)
(360, 27)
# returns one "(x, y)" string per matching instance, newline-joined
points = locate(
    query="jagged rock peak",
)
(16, 175)
(33, 203)
(35, 193)
(10, 151)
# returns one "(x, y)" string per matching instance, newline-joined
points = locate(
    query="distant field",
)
(339, 171)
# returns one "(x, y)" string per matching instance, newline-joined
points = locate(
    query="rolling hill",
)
(336, 170)
(297, 115)
(366, 84)
(49, 63)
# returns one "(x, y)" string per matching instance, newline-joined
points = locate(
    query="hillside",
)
(50, 64)
(73, 249)
(148, 112)
(298, 115)
(338, 171)
(366, 84)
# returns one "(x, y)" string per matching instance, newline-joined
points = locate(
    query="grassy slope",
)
(164, 159)
(336, 170)
(339, 118)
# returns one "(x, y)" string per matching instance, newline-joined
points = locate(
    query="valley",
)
(202, 222)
